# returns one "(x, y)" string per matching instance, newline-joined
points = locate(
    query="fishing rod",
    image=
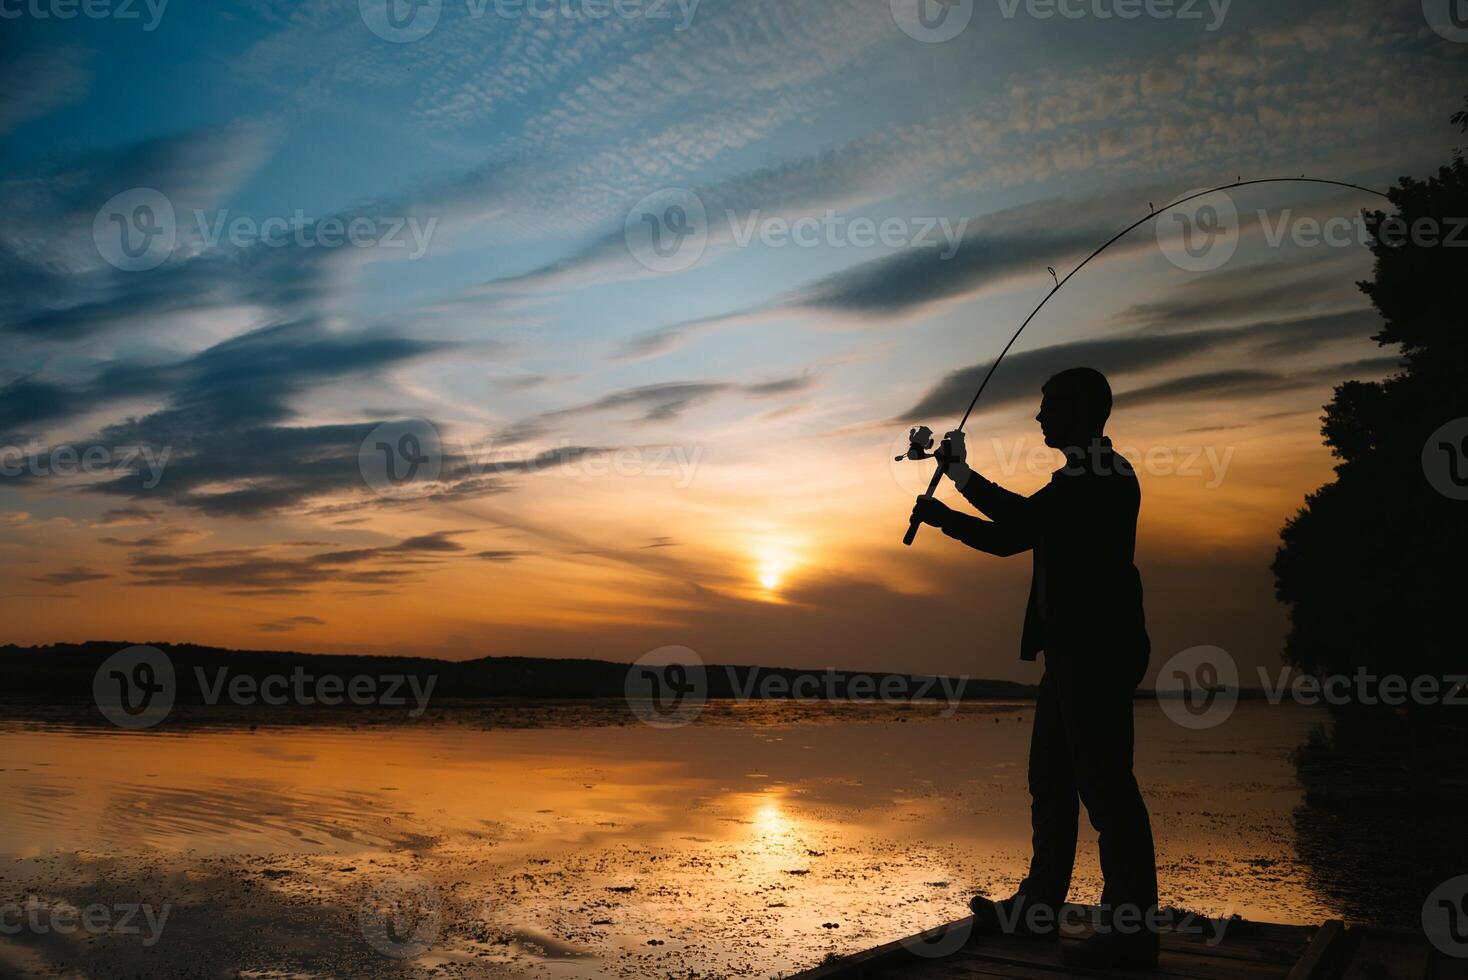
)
(920, 439)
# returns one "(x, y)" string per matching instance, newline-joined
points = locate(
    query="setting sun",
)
(773, 566)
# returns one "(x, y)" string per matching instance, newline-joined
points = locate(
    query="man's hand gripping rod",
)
(919, 441)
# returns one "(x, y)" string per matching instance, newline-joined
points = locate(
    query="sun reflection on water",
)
(771, 819)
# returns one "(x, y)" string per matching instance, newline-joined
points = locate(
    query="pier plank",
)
(1242, 951)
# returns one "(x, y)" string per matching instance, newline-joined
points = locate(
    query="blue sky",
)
(519, 146)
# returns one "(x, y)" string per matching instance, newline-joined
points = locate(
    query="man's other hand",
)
(929, 510)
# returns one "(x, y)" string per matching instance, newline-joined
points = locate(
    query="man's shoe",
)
(1114, 951)
(1013, 917)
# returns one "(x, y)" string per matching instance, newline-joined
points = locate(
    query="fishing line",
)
(915, 451)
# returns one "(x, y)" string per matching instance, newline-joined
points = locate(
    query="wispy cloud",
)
(661, 402)
(36, 84)
(74, 575)
(258, 571)
(290, 623)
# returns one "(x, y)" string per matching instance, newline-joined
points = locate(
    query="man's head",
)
(1074, 406)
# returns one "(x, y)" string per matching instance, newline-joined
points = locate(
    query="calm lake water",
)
(750, 845)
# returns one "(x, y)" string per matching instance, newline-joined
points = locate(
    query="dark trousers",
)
(1081, 752)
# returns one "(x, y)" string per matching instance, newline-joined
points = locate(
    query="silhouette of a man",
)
(1085, 613)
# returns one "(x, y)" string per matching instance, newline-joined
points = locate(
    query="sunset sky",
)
(634, 456)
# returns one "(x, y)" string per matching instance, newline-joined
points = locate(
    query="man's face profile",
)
(1056, 418)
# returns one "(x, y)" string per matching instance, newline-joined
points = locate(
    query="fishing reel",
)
(919, 443)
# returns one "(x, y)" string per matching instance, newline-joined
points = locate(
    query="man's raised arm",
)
(1003, 506)
(1002, 540)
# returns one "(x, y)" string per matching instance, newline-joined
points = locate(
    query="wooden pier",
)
(1217, 950)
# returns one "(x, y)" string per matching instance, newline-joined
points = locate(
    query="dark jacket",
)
(1085, 593)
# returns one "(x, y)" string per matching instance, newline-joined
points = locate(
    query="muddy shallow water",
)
(751, 845)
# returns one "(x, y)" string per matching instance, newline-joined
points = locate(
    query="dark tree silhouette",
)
(1373, 566)
(1373, 571)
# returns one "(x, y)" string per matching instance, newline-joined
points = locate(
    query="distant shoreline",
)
(65, 672)
(205, 676)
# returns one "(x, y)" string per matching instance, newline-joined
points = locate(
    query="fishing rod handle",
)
(912, 527)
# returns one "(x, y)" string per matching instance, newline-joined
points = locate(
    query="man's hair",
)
(1086, 389)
